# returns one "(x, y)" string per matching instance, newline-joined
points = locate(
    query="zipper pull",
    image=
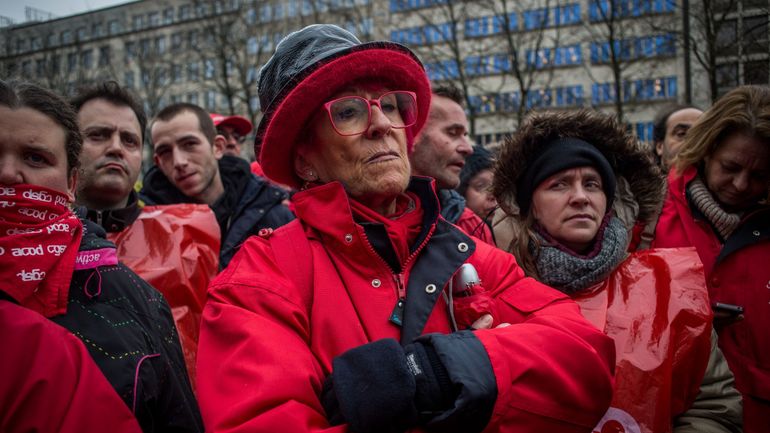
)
(397, 315)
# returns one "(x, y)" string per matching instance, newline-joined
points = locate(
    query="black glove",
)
(382, 387)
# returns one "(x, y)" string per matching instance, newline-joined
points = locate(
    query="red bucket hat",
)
(311, 65)
(240, 124)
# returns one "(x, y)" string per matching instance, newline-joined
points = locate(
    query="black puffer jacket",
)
(127, 327)
(249, 203)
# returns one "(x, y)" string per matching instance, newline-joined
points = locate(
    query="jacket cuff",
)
(470, 372)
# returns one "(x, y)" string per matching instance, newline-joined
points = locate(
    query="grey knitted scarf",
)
(701, 197)
(569, 272)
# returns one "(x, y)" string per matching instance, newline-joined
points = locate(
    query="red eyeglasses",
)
(352, 115)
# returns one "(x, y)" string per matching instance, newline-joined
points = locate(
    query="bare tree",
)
(722, 37)
(148, 61)
(438, 41)
(530, 48)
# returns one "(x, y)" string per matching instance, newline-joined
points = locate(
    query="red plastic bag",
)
(655, 307)
(175, 248)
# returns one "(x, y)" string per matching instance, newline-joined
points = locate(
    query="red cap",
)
(240, 124)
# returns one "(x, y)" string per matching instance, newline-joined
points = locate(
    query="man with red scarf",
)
(64, 269)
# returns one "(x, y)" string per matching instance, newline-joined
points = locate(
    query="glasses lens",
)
(350, 115)
(400, 107)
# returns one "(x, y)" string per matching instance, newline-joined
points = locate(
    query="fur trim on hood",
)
(641, 184)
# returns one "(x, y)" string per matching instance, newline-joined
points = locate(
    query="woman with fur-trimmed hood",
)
(576, 190)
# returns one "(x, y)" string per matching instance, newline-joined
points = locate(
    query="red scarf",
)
(402, 227)
(39, 240)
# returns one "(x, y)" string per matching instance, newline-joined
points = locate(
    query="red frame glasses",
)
(407, 115)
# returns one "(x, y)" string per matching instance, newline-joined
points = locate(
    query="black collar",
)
(115, 220)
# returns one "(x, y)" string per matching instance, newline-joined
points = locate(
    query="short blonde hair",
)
(745, 109)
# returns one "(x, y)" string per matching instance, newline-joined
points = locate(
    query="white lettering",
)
(6, 204)
(38, 195)
(2, 251)
(6, 191)
(33, 275)
(58, 227)
(27, 251)
(56, 250)
(34, 213)
(61, 201)
(84, 259)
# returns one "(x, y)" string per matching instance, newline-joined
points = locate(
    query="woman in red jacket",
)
(342, 320)
(572, 185)
(718, 202)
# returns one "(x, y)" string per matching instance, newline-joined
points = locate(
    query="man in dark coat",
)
(191, 168)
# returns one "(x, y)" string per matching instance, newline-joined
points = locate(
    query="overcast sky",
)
(15, 8)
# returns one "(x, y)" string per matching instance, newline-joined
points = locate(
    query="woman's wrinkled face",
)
(570, 206)
(374, 163)
(738, 172)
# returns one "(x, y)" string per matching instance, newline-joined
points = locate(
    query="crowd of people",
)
(372, 270)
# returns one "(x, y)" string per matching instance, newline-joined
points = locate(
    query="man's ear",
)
(219, 146)
(72, 183)
(659, 148)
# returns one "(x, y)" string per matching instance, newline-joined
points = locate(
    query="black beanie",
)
(561, 154)
(480, 159)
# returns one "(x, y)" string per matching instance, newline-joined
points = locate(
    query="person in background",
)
(190, 168)
(440, 151)
(717, 202)
(342, 320)
(670, 129)
(151, 240)
(234, 129)
(558, 178)
(63, 268)
(476, 180)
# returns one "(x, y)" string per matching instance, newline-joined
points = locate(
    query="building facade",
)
(631, 57)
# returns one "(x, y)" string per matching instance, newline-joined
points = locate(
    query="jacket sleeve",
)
(718, 406)
(50, 382)
(553, 368)
(256, 371)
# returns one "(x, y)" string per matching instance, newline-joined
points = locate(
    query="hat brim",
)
(392, 65)
(241, 125)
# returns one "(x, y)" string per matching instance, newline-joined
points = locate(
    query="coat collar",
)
(332, 202)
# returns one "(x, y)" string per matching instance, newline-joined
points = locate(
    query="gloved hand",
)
(382, 387)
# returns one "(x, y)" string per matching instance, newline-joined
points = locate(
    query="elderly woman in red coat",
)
(718, 202)
(343, 320)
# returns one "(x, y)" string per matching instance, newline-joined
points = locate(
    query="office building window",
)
(114, 27)
(104, 55)
(168, 16)
(153, 19)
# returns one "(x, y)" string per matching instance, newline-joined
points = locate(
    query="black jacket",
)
(249, 203)
(127, 327)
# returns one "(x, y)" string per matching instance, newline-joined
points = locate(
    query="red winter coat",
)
(50, 383)
(267, 343)
(737, 272)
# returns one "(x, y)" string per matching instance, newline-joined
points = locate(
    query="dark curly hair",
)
(112, 92)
